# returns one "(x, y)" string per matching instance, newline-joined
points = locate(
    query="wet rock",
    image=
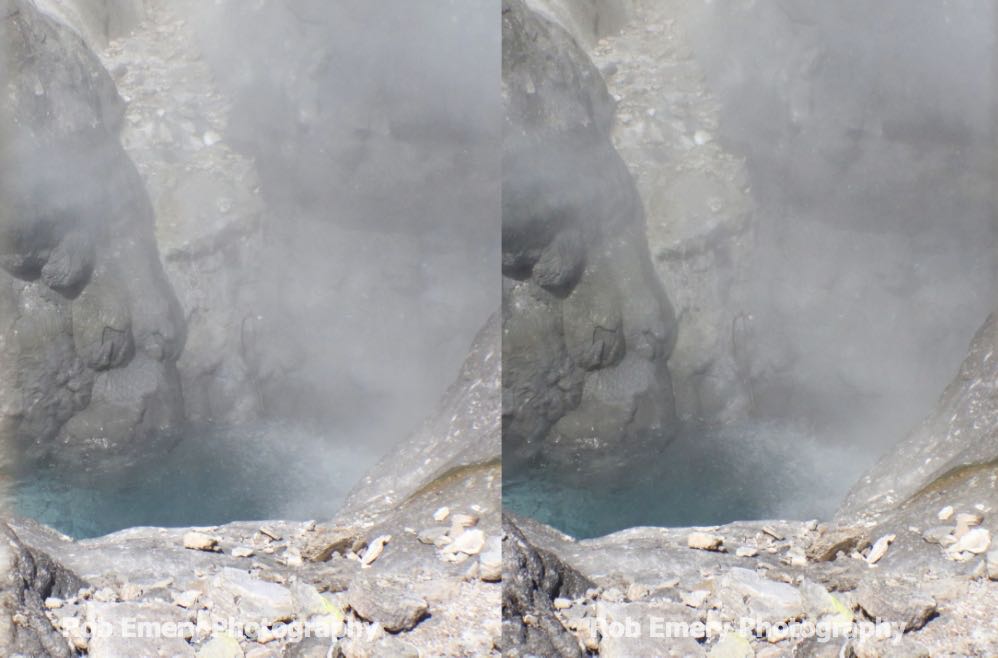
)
(579, 359)
(27, 579)
(90, 324)
(387, 601)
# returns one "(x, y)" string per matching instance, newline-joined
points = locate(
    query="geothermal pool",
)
(211, 476)
(705, 476)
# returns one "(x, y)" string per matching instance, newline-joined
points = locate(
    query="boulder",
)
(90, 330)
(587, 327)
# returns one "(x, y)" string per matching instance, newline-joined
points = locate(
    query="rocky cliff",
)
(587, 327)
(91, 328)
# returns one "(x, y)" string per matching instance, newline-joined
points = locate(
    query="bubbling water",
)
(211, 476)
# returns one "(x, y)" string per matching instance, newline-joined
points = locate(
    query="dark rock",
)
(587, 329)
(532, 580)
(27, 578)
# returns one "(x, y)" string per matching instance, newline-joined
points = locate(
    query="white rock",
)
(702, 137)
(374, 551)
(946, 513)
(187, 599)
(242, 551)
(106, 595)
(490, 562)
(879, 549)
(636, 592)
(694, 599)
(198, 541)
(704, 541)
(441, 514)
(469, 542)
(562, 603)
(211, 138)
(747, 551)
(976, 541)
(53, 603)
(292, 557)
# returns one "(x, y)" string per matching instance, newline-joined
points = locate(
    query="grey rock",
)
(580, 359)
(464, 433)
(387, 601)
(956, 441)
(896, 602)
(745, 593)
(124, 640)
(79, 266)
(235, 592)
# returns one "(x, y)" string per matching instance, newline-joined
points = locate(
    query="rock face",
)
(957, 445)
(208, 209)
(587, 328)
(463, 435)
(90, 330)
(696, 194)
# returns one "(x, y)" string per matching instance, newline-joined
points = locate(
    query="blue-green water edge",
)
(705, 476)
(211, 476)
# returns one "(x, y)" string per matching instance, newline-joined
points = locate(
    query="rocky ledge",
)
(417, 577)
(907, 568)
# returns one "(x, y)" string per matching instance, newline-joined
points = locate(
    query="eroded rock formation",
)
(587, 328)
(91, 330)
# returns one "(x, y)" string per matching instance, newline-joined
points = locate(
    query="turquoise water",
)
(706, 476)
(211, 476)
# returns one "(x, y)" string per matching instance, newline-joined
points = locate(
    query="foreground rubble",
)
(907, 568)
(410, 567)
